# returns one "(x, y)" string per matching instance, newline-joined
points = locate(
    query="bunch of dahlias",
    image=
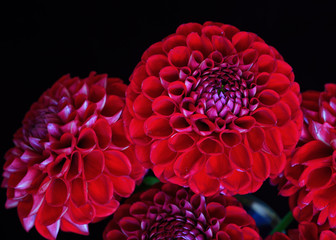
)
(211, 111)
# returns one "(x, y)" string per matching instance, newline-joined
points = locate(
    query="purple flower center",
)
(223, 89)
(36, 125)
(176, 227)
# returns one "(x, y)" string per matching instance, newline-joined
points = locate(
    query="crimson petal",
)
(100, 190)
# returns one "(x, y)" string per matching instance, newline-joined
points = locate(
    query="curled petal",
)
(243, 124)
(188, 162)
(87, 140)
(176, 91)
(210, 145)
(179, 123)
(161, 153)
(241, 157)
(223, 45)
(157, 127)
(195, 59)
(256, 138)
(241, 41)
(236, 182)
(93, 163)
(100, 190)
(115, 234)
(264, 116)
(202, 125)
(310, 151)
(282, 112)
(318, 177)
(65, 145)
(137, 134)
(79, 194)
(142, 107)
(48, 215)
(179, 56)
(230, 138)
(278, 82)
(260, 166)
(218, 166)
(268, 97)
(173, 41)
(103, 132)
(117, 163)
(155, 63)
(57, 193)
(83, 214)
(188, 28)
(168, 75)
(123, 186)
(181, 142)
(67, 225)
(129, 225)
(48, 231)
(273, 141)
(60, 166)
(187, 106)
(204, 184)
(200, 43)
(152, 87)
(164, 106)
(119, 140)
(266, 63)
(249, 56)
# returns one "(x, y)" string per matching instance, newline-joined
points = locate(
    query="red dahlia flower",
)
(71, 161)
(171, 212)
(306, 231)
(309, 178)
(213, 108)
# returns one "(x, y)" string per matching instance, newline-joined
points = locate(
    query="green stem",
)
(283, 224)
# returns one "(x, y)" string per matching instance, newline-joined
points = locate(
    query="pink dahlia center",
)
(176, 227)
(223, 89)
(36, 125)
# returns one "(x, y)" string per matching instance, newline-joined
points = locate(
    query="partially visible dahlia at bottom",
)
(213, 108)
(71, 162)
(305, 231)
(310, 177)
(168, 211)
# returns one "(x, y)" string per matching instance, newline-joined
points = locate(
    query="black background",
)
(43, 40)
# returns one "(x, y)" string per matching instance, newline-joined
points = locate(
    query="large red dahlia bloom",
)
(71, 161)
(309, 178)
(171, 212)
(305, 231)
(213, 108)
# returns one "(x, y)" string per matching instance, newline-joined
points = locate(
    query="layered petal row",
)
(71, 162)
(213, 108)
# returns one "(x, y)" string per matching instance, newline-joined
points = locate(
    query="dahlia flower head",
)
(213, 108)
(305, 231)
(309, 178)
(71, 162)
(169, 211)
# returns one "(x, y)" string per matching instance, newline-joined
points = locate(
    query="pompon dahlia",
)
(213, 108)
(305, 231)
(169, 211)
(71, 162)
(309, 178)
